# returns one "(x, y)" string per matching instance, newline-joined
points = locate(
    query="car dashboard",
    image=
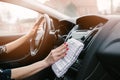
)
(85, 30)
(99, 59)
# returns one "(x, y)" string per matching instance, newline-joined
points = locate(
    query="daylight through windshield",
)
(75, 8)
(17, 19)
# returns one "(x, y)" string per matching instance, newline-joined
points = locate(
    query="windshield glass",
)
(76, 8)
(16, 19)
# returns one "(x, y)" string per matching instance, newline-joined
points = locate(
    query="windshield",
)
(76, 8)
(16, 19)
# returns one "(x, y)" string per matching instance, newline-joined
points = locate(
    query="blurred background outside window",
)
(17, 20)
(84, 7)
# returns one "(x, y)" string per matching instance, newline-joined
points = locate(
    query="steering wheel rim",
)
(41, 41)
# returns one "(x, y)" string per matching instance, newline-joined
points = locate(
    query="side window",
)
(15, 19)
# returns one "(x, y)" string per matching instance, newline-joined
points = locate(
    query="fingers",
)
(61, 53)
(63, 46)
(61, 50)
(57, 54)
(61, 56)
(38, 22)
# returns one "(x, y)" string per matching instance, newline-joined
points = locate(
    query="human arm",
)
(55, 55)
(14, 44)
(26, 71)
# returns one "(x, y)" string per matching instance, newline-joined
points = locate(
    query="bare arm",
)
(55, 55)
(13, 45)
(23, 72)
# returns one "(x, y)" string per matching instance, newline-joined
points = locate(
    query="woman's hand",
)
(56, 54)
(33, 31)
(15, 44)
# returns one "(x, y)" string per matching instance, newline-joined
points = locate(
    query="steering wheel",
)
(39, 40)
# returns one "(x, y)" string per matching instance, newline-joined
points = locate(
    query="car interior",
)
(99, 59)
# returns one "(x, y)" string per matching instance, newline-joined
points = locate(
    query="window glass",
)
(76, 8)
(16, 19)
